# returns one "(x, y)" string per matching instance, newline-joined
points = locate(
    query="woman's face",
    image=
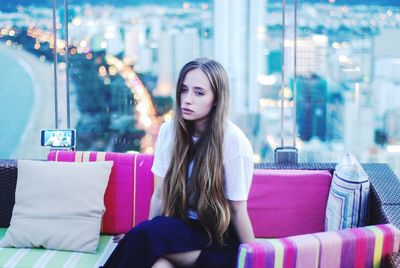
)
(197, 97)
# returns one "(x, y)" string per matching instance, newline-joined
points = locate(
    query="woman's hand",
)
(118, 238)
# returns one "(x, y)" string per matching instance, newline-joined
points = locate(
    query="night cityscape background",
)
(125, 56)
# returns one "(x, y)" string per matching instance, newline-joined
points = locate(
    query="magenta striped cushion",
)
(129, 190)
(358, 247)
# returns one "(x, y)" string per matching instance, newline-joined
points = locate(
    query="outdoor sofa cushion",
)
(348, 202)
(45, 258)
(358, 247)
(129, 190)
(294, 200)
(288, 202)
(58, 205)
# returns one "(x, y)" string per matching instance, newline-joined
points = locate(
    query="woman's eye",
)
(198, 93)
(184, 89)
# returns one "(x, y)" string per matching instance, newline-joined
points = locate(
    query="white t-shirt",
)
(237, 159)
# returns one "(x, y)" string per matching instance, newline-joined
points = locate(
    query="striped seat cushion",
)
(358, 247)
(35, 257)
(129, 190)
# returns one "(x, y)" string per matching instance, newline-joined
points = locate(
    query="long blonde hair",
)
(206, 183)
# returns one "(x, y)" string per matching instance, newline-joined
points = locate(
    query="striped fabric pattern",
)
(126, 205)
(44, 258)
(358, 247)
(347, 205)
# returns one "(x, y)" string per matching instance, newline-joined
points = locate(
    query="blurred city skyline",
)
(13, 3)
(127, 60)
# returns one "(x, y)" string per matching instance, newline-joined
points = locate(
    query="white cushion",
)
(58, 205)
(348, 196)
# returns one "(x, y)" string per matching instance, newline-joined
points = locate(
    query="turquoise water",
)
(16, 103)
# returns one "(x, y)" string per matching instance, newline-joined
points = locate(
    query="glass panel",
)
(269, 127)
(124, 63)
(348, 93)
(26, 72)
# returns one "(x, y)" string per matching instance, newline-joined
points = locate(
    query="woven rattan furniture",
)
(8, 182)
(385, 191)
(393, 260)
(385, 194)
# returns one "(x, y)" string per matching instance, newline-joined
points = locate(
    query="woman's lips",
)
(186, 111)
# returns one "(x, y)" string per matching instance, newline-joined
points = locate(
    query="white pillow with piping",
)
(58, 205)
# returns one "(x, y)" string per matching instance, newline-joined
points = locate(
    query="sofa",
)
(286, 206)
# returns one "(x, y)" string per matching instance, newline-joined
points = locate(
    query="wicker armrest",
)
(385, 194)
(393, 260)
(8, 182)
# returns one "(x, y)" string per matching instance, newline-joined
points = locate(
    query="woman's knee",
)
(139, 234)
(141, 228)
(145, 225)
(184, 258)
(151, 228)
(163, 263)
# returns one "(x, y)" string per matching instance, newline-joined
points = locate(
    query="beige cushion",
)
(58, 205)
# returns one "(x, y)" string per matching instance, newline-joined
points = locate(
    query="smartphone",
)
(58, 137)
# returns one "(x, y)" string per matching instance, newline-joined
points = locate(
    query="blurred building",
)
(137, 47)
(358, 119)
(179, 45)
(312, 97)
(239, 41)
(391, 121)
(335, 117)
(238, 45)
(386, 96)
(312, 56)
(274, 62)
(386, 43)
(184, 36)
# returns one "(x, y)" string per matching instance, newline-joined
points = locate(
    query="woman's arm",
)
(241, 221)
(156, 198)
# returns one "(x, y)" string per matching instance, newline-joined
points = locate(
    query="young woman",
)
(203, 168)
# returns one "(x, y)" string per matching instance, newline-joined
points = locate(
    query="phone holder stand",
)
(62, 149)
(286, 155)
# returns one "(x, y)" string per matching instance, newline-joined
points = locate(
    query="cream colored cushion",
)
(58, 205)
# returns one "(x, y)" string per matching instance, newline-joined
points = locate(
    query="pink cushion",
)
(129, 190)
(288, 202)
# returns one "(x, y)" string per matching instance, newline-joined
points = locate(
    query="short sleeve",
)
(238, 177)
(162, 153)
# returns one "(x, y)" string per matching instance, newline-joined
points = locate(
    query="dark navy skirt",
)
(143, 245)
